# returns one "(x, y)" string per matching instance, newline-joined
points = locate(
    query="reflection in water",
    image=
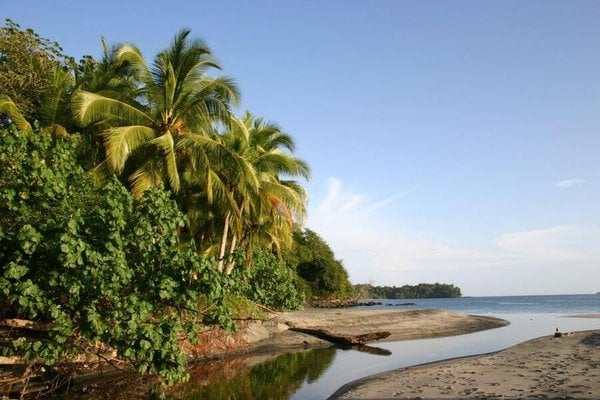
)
(256, 379)
(377, 351)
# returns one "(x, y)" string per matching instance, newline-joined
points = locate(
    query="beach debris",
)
(25, 324)
(348, 340)
(557, 334)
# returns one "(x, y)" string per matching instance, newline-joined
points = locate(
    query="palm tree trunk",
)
(223, 244)
(199, 241)
(231, 263)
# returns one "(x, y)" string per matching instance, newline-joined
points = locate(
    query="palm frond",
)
(221, 158)
(149, 174)
(167, 146)
(8, 108)
(206, 101)
(54, 105)
(101, 171)
(128, 54)
(278, 162)
(120, 142)
(91, 107)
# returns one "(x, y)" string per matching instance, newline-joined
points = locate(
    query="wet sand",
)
(546, 367)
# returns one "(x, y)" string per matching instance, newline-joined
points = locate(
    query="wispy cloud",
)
(367, 234)
(333, 190)
(387, 201)
(340, 199)
(373, 238)
(569, 183)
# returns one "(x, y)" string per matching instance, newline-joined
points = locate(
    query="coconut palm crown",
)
(267, 215)
(175, 97)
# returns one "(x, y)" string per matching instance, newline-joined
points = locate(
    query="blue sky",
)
(451, 141)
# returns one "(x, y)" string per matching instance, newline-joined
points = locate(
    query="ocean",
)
(570, 304)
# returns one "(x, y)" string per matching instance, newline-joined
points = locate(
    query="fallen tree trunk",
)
(26, 324)
(348, 340)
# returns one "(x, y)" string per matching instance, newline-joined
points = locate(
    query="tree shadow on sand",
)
(592, 340)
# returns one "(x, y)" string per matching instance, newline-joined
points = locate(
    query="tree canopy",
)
(27, 64)
(420, 291)
(315, 264)
(135, 205)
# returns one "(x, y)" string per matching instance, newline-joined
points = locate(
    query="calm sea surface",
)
(580, 303)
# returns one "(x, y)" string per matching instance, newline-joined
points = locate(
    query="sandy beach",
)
(545, 367)
(401, 324)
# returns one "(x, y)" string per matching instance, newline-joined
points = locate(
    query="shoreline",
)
(263, 339)
(260, 340)
(542, 367)
(275, 335)
(402, 325)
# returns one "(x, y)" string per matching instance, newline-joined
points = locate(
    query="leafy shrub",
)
(94, 262)
(315, 263)
(269, 282)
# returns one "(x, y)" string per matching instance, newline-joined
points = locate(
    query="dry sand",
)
(547, 367)
(402, 324)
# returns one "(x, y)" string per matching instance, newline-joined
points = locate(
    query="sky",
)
(450, 141)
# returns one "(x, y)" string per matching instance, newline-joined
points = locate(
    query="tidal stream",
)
(317, 374)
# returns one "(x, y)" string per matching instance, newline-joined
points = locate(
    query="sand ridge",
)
(402, 324)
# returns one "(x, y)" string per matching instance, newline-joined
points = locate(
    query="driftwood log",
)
(347, 340)
(26, 324)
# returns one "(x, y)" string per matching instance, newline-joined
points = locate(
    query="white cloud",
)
(552, 244)
(569, 183)
(387, 201)
(373, 238)
(334, 188)
(373, 245)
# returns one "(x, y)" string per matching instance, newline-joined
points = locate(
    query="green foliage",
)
(97, 264)
(94, 262)
(242, 307)
(420, 291)
(315, 264)
(269, 282)
(26, 65)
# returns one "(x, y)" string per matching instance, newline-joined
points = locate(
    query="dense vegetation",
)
(314, 262)
(135, 206)
(92, 261)
(420, 291)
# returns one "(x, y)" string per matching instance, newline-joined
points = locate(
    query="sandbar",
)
(402, 325)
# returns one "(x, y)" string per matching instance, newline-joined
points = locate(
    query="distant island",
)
(420, 291)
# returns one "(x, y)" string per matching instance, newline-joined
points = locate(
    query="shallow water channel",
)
(317, 374)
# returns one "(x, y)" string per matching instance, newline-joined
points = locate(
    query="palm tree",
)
(174, 99)
(215, 183)
(9, 109)
(267, 214)
(242, 198)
